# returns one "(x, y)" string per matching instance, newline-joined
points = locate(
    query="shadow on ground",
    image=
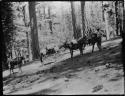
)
(89, 60)
(70, 67)
(78, 63)
(44, 92)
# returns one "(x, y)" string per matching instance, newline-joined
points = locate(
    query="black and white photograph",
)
(62, 47)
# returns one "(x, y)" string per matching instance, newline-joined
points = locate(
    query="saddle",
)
(74, 41)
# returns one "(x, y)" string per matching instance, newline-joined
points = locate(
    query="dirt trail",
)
(85, 74)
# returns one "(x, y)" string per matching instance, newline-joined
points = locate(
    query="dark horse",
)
(48, 51)
(74, 46)
(16, 61)
(95, 39)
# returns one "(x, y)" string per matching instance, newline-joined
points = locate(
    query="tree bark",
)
(27, 35)
(73, 20)
(106, 25)
(123, 35)
(34, 31)
(44, 14)
(116, 12)
(3, 50)
(121, 18)
(50, 22)
(64, 28)
(83, 17)
(103, 19)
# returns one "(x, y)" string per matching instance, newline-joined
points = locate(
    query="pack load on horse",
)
(75, 44)
(50, 49)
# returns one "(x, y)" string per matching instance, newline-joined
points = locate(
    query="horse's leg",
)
(99, 43)
(10, 70)
(93, 47)
(71, 52)
(99, 46)
(20, 65)
(81, 51)
(41, 58)
(84, 45)
(21, 69)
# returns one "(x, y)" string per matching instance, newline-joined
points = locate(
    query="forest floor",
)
(59, 74)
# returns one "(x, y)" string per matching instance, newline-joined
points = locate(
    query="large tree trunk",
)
(106, 25)
(34, 31)
(123, 35)
(44, 17)
(121, 17)
(28, 46)
(44, 14)
(3, 50)
(116, 12)
(73, 20)
(83, 16)
(103, 18)
(27, 34)
(50, 21)
(63, 28)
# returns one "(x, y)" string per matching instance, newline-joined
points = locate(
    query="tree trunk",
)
(44, 17)
(103, 18)
(3, 50)
(34, 31)
(27, 35)
(83, 16)
(63, 21)
(123, 35)
(106, 25)
(73, 20)
(28, 46)
(120, 18)
(116, 12)
(123, 19)
(44, 14)
(50, 22)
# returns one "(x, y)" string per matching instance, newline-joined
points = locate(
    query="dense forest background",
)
(28, 27)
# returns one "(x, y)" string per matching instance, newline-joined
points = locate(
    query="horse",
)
(74, 45)
(16, 61)
(51, 49)
(95, 39)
